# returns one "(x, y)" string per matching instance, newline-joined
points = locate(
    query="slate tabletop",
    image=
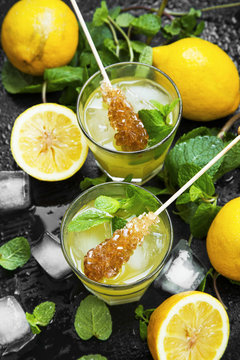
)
(50, 200)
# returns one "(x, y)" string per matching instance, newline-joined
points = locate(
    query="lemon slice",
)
(188, 326)
(46, 142)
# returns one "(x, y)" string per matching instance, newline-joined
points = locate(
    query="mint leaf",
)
(42, 315)
(147, 24)
(138, 46)
(186, 210)
(87, 219)
(15, 253)
(114, 12)
(87, 182)
(101, 15)
(157, 191)
(93, 318)
(124, 19)
(143, 316)
(202, 219)
(230, 161)
(139, 201)
(16, 82)
(195, 193)
(204, 183)
(234, 282)
(146, 56)
(155, 126)
(107, 203)
(118, 223)
(197, 151)
(200, 131)
(183, 199)
(165, 110)
(60, 77)
(92, 357)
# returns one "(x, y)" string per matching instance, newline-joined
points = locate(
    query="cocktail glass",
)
(141, 83)
(143, 266)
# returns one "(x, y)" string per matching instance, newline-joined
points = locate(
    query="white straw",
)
(195, 177)
(90, 41)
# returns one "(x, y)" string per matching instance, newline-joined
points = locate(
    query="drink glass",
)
(145, 264)
(140, 83)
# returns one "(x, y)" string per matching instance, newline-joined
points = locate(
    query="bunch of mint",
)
(117, 36)
(198, 205)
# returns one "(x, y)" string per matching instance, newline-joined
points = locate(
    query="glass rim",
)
(137, 151)
(111, 286)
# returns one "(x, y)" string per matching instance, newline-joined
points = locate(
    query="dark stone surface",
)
(59, 340)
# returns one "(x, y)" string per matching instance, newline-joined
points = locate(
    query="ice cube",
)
(139, 259)
(48, 253)
(182, 272)
(15, 331)
(14, 191)
(98, 125)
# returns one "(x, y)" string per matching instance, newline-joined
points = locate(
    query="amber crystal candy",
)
(107, 258)
(131, 134)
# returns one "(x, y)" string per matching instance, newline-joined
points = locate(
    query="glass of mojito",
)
(94, 216)
(156, 100)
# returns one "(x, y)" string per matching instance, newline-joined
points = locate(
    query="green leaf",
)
(186, 210)
(42, 315)
(86, 219)
(157, 191)
(139, 200)
(202, 219)
(200, 131)
(69, 96)
(195, 193)
(146, 55)
(153, 122)
(143, 330)
(124, 19)
(204, 183)
(87, 182)
(15, 253)
(230, 161)
(197, 151)
(234, 282)
(93, 318)
(128, 178)
(107, 203)
(203, 283)
(58, 78)
(101, 15)
(118, 223)
(138, 46)
(92, 357)
(114, 12)
(147, 24)
(183, 199)
(172, 29)
(199, 29)
(15, 81)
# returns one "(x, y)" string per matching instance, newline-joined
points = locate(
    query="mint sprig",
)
(93, 318)
(92, 357)
(143, 316)
(87, 219)
(41, 316)
(15, 253)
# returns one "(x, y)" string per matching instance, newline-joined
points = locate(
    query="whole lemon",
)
(223, 240)
(205, 75)
(39, 34)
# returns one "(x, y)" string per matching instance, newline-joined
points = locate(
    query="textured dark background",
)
(59, 340)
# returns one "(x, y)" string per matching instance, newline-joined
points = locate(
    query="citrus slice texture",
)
(188, 326)
(47, 143)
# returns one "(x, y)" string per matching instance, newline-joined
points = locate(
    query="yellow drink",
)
(141, 84)
(144, 264)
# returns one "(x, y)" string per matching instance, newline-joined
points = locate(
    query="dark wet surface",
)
(32, 286)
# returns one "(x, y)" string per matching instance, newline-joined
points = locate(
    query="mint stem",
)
(44, 91)
(210, 8)
(162, 7)
(115, 38)
(125, 37)
(228, 125)
(215, 276)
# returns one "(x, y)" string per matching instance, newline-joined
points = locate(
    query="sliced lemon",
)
(188, 326)
(46, 142)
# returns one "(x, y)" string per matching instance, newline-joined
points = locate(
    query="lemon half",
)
(46, 142)
(188, 326)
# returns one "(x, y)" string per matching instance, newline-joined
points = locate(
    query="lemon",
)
(188, 326)
(46, 142)
(205, 75)
(223, 240)
(39, 34)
